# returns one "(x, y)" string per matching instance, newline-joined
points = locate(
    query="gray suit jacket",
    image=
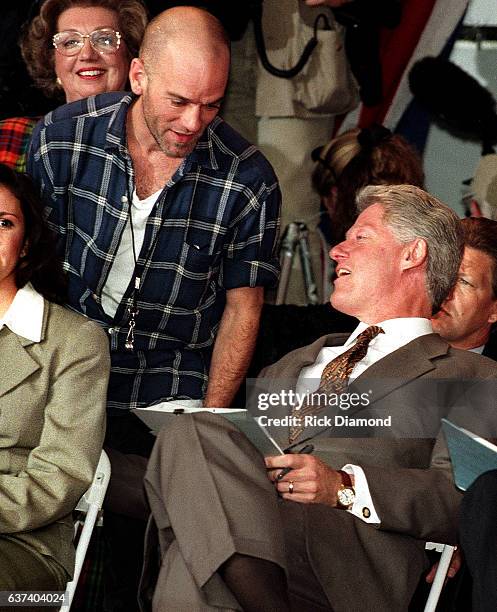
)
(409, 478)
(52, 423)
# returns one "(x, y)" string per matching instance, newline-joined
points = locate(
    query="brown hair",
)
(36, 40)
(481, 234)
(356, 158)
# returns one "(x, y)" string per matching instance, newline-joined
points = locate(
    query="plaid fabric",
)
(15, 134)
(213, 228)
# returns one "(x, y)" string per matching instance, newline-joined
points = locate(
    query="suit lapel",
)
(397, 369)
(17, 363)
(307, 355)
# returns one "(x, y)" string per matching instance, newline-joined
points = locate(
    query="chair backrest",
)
(443, 567)
(90, 504)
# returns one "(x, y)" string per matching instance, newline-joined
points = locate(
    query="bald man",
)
(167, 222)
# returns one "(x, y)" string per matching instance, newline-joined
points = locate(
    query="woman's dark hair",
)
(40, 266)
(36, 40)
(356, 158)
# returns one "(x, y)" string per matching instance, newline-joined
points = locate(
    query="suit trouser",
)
(24, 569)
(187, 472)
(478, 533)
(210, 498)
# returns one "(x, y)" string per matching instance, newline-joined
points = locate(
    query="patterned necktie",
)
(335, 377)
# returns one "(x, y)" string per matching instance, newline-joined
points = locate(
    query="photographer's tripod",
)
(296, 236)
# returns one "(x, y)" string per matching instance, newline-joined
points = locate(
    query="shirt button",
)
(366, 512)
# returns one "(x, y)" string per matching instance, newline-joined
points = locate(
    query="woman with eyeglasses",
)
(74, 49)
(54, 368)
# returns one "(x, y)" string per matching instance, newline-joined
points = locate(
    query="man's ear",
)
(492, 315)
(137, 76)
(414, 254)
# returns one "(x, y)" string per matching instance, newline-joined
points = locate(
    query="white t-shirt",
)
(123, 266)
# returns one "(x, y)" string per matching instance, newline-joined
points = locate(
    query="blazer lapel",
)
(308, 354)
(397, 369)
(17, 363)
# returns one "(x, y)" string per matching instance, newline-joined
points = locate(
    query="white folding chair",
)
(443, 567)
(90, 505)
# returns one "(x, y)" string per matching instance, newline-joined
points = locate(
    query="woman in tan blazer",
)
(54, 369)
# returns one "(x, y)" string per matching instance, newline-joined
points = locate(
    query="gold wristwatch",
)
(346, 493)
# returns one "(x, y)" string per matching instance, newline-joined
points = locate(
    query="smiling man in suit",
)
(347, 528)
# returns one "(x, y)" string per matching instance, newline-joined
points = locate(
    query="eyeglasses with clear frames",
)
(70, 42)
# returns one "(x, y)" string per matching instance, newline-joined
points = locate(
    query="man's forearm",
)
(234, 345)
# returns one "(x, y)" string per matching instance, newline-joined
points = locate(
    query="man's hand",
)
(454, 567)
(313, 481)
(332, 3)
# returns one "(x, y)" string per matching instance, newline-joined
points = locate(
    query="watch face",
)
(346, 496)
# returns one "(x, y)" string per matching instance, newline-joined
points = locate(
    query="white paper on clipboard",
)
(156, 417)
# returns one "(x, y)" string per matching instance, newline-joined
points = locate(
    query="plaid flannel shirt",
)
(15, 134)
(213, 228)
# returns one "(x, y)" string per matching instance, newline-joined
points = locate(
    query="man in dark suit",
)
(467, 318)
(352, 518)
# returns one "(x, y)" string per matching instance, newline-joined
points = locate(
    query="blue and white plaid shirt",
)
(213, 228)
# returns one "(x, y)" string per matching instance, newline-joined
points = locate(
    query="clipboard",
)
(470, 455)
(156, 418)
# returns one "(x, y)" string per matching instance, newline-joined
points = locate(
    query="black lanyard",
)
(132, 309)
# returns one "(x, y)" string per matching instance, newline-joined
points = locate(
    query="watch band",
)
(346, 479)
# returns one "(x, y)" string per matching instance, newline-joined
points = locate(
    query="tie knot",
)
(360, 348)
(365, 337)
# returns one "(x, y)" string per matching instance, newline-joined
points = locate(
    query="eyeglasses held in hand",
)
(70, 42)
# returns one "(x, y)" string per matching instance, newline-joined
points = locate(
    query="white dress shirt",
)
(24, 316)
(398, 333)
(478, 349)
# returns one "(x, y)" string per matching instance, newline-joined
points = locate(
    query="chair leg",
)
(438, 582)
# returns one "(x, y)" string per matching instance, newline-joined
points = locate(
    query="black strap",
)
(306, 53)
